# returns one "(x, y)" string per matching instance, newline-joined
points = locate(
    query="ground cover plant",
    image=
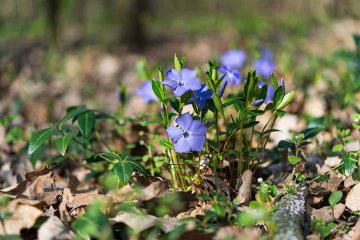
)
(227, 137)
(204, 144)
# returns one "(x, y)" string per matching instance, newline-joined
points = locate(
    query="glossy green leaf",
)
(71, 114)
(177, 63)
(123, 171)
(337, 148)
(349, 164)
(158, 89)
(63, 142)
(86, 123)
(293, 159)
(39, 138)
(335, 197)
(166, 144)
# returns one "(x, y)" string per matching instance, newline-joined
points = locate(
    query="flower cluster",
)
(189, 133)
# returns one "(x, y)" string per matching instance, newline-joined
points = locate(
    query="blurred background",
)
(59, 53)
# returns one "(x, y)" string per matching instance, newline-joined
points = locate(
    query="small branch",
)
(289, 215)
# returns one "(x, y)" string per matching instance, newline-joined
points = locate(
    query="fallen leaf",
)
(155, 189)
(235, 233)
(84, 199)
(244, 190)
(326, 213)
(54, 228)
(349, 181)
(325, 187)
(24, 214)
(352, 200)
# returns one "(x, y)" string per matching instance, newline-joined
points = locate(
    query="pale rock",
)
(315, 106)
(332, 161)
(352, 200)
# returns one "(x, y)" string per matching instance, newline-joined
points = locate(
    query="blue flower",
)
(269, 94)
(188, 135)
(233, 59)
(200, 96)
(265, 66)
(232, 76)
(146, 92)
(182, 81)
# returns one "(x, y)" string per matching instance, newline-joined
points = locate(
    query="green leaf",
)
(150, 122)
(86, 123)
(293, 159)
(311, 132)
(166, 144)
(74, 112)
(335, 197)
(349, 164)
(285, 144)
(337, 148)
(177, 63)
(278, 96)
(186, 96)
(63, 142)
(158, 90)
(288, 98)
(38, 138)
(138, 167)
(123, 171)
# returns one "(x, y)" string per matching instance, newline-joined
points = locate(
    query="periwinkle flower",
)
(182, 81)
(146, 92)
(265, 65)
(188, 135)
(233, 59)
(200, 96)
(232, 76)
(269, 94)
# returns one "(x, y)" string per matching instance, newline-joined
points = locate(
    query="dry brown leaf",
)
(312, 237)
(138, 222)
(356, 231)
(66, 198)
(326, 213)
(214, 183)
(49, 198)
(24, 214)
(235, 233)
(352, 200)
(155, 189)
(84, 199)
(34, 183)
(349, 181)
(325, 187)
(54, 228)
(244, 190)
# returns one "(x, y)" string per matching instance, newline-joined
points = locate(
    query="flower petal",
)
(187, 73)
(169, 83)
(174, 133)
(182, 146)
(185, 121)
(173, 74)
(269, 94)
(197, 128)
(196, 143)
(179, 91)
